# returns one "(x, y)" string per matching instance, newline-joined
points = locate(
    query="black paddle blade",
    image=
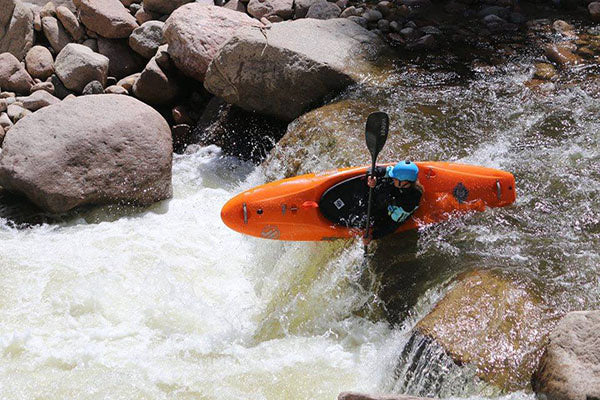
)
(376, 132)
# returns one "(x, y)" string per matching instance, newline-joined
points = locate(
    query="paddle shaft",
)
(370, 202)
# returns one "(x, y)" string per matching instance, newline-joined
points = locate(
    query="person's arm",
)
(379, 172)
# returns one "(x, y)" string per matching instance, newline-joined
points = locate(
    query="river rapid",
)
(167, 303)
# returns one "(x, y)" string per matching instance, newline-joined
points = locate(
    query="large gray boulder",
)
(16, 28)
(108, 18)
(570, 367)
(77, 65)
(292, 66)
(195, 32)
(13, 76)
(96, 149)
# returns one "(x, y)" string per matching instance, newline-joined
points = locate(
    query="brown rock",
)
(39, 62)
(92, 44)
(37, 21)
(16, 28)
(70, 22)
(108, 18)
(89, 150)
(195, 33)
(13, 76)
(544, 71)
(123, 61)
(562, 54)
(55, 33)
(570, 369)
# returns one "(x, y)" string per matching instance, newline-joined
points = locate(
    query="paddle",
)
(376, 133)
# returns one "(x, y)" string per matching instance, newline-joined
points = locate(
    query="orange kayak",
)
(290, 209)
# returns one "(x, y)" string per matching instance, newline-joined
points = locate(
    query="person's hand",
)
(371, 181)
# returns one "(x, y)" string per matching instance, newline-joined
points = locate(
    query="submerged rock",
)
(318, 57)
(362, 396)
(331, 136)
(195, 33)
(97, 149)
(490, 322)
(570, 366)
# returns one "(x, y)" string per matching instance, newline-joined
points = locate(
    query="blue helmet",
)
(403, 171)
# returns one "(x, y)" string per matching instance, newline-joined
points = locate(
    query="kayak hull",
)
(288, 209)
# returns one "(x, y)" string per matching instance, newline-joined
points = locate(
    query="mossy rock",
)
(492, 323)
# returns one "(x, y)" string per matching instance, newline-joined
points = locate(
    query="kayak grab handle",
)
(498, 189)
(245, 210)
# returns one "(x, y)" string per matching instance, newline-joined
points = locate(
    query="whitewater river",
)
(167, 303)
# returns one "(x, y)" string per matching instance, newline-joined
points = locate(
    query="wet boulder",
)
(317, 57)
(195, 33)
(331, 136)
(97, 149)
(108, 18)
(16, 28)
(492, 323)
(570, 366)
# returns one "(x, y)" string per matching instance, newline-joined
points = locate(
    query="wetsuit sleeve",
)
(408, 203)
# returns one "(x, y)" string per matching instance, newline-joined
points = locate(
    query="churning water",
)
(166, 302)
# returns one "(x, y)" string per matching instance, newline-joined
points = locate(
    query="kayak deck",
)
(289, 209)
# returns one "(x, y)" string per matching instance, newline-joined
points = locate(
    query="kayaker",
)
(397, 196)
